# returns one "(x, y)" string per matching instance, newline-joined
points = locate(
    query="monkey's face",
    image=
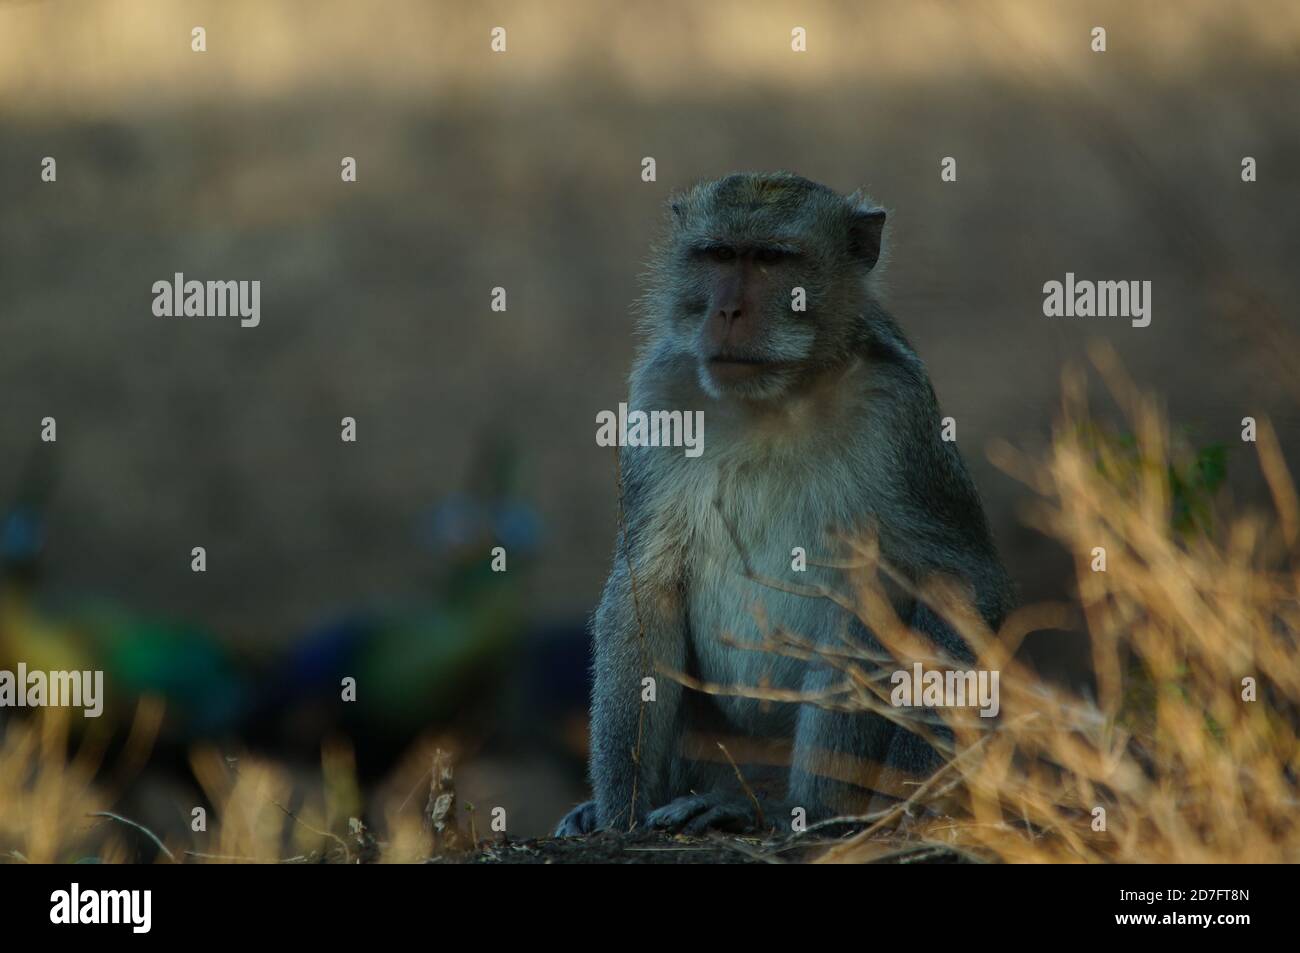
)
(770, 281)
(749, 342)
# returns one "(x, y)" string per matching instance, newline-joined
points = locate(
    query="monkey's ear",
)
(866, 228)
(678, 206)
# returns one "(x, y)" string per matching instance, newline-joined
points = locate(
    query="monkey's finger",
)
(581, 820)
(729, 817)
(675, 814)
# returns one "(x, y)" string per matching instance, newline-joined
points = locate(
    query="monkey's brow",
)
(747, 246)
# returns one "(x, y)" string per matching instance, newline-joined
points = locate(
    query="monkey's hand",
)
(716, 810)
(581, 820)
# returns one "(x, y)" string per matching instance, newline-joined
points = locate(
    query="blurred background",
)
(476, 428)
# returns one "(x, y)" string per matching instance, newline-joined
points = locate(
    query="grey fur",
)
(848, 439)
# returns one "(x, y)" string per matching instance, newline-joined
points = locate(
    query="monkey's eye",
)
(721, 252)
(769, 255)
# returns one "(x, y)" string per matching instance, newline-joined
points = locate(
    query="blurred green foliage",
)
(1195, 474)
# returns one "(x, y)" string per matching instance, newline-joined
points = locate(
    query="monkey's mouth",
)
(733, 368)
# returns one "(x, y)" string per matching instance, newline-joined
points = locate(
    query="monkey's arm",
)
(910, 758)
(638, 633)
(934, 521)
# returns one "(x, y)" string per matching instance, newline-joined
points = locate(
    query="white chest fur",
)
(766, 484)
(737, 514)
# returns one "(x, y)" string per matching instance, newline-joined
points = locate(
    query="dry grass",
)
(1185, 768)
(57, 806)
(46, 798)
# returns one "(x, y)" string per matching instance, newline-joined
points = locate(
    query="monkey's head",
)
(763, 281)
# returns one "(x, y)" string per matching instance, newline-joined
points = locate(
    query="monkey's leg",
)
(837, 754)
(636, 708)
(910, 759)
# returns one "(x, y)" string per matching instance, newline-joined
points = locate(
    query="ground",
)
(652, 847)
